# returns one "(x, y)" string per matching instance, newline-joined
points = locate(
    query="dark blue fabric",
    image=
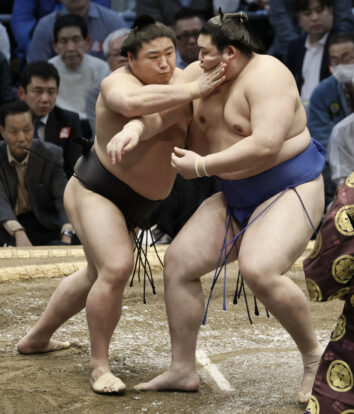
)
(25, 15)
(244, 196)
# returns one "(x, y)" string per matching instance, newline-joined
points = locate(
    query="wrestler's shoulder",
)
(270, 67)
(121, 74)
(190, 73)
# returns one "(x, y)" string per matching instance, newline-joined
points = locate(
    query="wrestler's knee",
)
(176, 266)
(116, 272)
(256, 277)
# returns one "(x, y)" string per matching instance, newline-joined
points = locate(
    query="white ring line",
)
(214, 372)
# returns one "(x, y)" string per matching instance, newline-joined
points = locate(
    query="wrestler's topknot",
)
(230, 29)
(145, 29)
(142, 21)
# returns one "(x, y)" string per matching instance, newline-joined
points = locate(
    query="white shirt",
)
(75, 83)
(341, 150)
(311, 66)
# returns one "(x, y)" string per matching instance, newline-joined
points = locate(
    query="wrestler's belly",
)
(294, 144)
(147, 169)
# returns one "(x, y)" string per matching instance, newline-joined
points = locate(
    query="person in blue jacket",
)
(26, 14)
(333, 99)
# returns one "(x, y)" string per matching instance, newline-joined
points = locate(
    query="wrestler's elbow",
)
(268, 147)
(130, 107)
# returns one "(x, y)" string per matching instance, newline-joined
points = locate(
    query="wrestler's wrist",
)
(200, 168)
(193, 89)
(135, 126)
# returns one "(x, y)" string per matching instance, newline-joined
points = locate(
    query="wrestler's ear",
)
(130, 57)
(230, 53)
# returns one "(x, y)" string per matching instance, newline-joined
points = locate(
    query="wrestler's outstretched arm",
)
(124, 93)
(173, 102)
(144, 128)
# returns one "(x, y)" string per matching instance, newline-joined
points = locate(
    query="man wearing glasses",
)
(187, 27)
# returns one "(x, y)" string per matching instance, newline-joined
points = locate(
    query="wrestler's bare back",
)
(225, 117)
(147, 169)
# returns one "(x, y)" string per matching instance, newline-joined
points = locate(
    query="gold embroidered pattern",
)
(314, 290)
(339, 330)
(313, 406)
(342, 220)
(343, 268)
(339, 376)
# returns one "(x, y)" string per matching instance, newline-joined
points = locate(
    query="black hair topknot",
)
(142, 21)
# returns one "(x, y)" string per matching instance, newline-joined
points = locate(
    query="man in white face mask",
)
(333, 99)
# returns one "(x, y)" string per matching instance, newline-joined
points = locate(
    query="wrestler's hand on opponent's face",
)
(184, 162)
(211, 79)
(121, 143)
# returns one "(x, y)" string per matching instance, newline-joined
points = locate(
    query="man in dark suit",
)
(307, 56)
(31, 183)
(39, 83)
(165, 11)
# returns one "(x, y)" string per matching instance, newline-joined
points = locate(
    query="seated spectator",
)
(165, 11)
(126, 8)
(187, 27)
(341, 150)
(5, 42)
(111, 49)
(78, 70)
(227, 6)
(283, 19)
(333, 99)
(31, 183)
(26, 14)
(6, 93)
(100, 22)
(39, 83)
(307, 56)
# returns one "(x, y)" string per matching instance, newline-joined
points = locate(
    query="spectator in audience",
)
(165, 11)
(6, 93)
(333, 99)
(31, 183)
(187, 26)
(26, 14)
(283, 18)
(307, 56)
(100, 22)
(39, 83)
(111, 50)
(5, 42)
(341, 150)
(126, 8)
(78, 70)
(227, 6)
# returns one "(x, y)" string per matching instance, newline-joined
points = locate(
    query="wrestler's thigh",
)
(280, 235)
(100, 226)
(196, 248)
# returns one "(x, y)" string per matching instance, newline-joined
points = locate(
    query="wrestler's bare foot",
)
(104, 382)
(28, 346)
(172, 380)
(311, 361)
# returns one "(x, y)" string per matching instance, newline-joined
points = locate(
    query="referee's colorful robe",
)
(329, 272)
